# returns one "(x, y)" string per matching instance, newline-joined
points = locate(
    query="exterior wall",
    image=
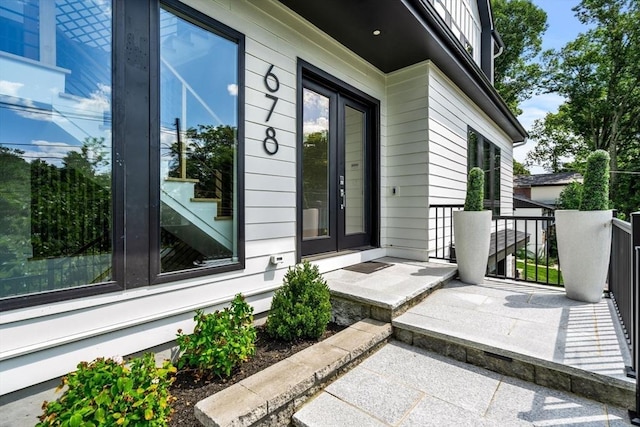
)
(43, 342)
(405, 165)
(450, 114)
(546, 194)
(423, 145)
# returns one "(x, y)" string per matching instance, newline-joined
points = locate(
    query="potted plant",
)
(472, 230)
(584, 235)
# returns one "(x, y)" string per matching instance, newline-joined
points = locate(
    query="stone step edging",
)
(271, 396)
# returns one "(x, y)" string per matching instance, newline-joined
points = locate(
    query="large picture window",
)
(55, 145)
(120, 147)
(486, 155)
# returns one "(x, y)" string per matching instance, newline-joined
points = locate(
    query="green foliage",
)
(301, 308)
(519, 168)
(517, 73)
(556, 142)
(570, 196)
(220, 340)
(108, 392)
(475, 190)
(595, 192)
(209, 159)
(598, 74)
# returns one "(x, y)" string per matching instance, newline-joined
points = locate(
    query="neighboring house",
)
(535, 229)
(544, 188)
(160, 157)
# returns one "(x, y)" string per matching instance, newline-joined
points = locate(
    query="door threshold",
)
(325, 255)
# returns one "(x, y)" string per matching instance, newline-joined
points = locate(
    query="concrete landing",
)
(401, 385)
(527, 331)
(385, 293)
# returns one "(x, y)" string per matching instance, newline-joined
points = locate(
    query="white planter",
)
(472, 231)
(584, 246)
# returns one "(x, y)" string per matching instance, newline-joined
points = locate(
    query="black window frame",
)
(483, 153)
(136, 117)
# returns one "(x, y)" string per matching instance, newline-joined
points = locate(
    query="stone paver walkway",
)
(401, 385)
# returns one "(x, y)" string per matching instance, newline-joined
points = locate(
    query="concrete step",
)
(529, 332)
(383, 289)
(401, 385)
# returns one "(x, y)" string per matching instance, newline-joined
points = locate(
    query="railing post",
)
(635, 246)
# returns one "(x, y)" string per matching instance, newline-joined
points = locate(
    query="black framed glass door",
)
(337, 166)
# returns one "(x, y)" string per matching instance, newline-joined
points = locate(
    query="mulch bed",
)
(189, 390)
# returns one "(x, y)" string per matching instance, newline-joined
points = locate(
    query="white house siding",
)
(405, 164)
(547, 194)
(44, 342)
(535, 229)
(451, 112)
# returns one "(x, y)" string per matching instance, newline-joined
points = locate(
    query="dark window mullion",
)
(132, 136)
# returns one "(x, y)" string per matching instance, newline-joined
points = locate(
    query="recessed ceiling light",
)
(376, 32)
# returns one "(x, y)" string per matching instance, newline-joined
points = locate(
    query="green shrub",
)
(570, 196)
(595, 192)
(220, 340)
(108, 392)
(301, 308)
(474, 200)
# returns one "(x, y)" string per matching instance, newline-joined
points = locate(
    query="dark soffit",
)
(410, 32)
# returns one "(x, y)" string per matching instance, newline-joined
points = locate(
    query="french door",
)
(337, 201)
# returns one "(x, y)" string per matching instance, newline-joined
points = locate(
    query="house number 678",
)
(271, 82)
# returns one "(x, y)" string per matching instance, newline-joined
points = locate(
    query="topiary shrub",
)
(106, 392)
(220, 340)
(570, 196)
(595, 190)
(301, 308)
(474, 200)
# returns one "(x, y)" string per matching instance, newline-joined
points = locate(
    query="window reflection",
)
(315, 165)
(198, 130)
(55, 144)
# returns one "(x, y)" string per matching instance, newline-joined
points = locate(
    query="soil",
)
(188, 389)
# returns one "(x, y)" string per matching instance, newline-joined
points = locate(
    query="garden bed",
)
(189, 390)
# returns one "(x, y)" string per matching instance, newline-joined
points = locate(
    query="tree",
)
(519, 168)
(599, 75)
(556, 142)
(210, 159)
(520, 24)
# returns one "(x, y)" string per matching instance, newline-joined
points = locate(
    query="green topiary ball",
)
(595, 190)
(475, 190)
(301, 308)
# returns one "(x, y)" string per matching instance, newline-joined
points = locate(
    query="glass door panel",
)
(354, 197)
(315, 165)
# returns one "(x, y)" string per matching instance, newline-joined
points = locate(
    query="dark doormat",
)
(368, 267)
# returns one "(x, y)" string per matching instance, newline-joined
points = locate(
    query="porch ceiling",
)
(410, 32)
(402, 40)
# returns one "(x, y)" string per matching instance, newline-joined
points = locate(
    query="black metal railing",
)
(620, 276)
(624, 288)
(521, 247)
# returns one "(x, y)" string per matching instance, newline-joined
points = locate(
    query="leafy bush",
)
(220, 340)
(108, 392)
(595, 193)
(570, 196)
(475, 190)
(301, 308)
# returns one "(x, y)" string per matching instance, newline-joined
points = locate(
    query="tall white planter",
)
(472, 231)
(584, 246)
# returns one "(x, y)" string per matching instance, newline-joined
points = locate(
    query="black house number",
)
(271, 82)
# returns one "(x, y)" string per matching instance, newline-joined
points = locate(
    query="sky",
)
(563, 27)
